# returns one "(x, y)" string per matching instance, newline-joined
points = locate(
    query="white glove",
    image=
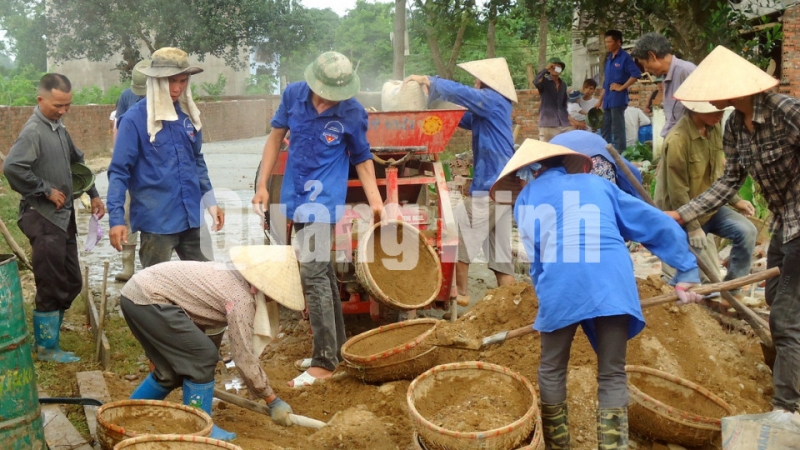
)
(685, 296)
(697, 238)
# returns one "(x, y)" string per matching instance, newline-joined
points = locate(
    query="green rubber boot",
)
(555, 426)
(612, 429)
(46, 334)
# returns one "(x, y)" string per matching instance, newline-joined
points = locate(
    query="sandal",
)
(305, 379)
(302, 364)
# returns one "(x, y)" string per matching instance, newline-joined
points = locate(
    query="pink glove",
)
(685, 296)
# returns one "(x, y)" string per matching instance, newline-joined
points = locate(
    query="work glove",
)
(279, 411)
(685, 296)
(697, 238)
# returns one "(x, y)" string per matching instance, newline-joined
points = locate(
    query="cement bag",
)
(397, 97)
(756, 432)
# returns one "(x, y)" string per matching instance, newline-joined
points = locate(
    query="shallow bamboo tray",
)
(110, 433)
(655, 419)
(174, 442)
(507, 437)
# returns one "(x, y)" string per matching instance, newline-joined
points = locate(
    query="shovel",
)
(475, 344)
(296, 419)
(759, 325)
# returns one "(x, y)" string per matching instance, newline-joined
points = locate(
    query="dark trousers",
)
(313, 243)
(193, 244)
(56, 269)
(613, 129)
(783, 297)
(176, 346)
(612, 345)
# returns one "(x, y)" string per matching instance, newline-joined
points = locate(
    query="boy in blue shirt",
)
(620, 73)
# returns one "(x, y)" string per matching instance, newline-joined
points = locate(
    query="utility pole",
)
(399, 41)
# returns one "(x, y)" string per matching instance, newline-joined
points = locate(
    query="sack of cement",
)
(776, 430)
(396, 96)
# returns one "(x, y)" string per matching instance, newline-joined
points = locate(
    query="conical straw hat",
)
(495, 74)
(532, 151)
(273, 270)
(724, 75)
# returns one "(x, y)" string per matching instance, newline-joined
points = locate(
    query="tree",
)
(99, 29)
(444, 24)
(363, 36)
(26, 26)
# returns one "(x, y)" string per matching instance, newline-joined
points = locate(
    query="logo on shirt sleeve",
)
(189, 128)
(332, 133)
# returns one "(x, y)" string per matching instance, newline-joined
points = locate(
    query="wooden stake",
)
(102, 318)
(23, 259)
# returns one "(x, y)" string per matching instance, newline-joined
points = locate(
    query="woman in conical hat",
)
(574, 225)
(761, 139)
(489, 119)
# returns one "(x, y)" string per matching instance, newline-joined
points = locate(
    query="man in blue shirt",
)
(481, 224)
(127, 99)
(157, 159)
(620, 73)
(574, 225)
(329, 133)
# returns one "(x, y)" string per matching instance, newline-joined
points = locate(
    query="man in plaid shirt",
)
(762, 139)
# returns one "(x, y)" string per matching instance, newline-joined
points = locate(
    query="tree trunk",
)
(399, 44)
(490, 33)
(542, 35)
(451, 64)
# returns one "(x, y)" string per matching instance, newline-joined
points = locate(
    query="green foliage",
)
(750, 191)
(363, 36)
(26, 26)
(19, 89)
(215, 90)
(262, 84)
(638, 152)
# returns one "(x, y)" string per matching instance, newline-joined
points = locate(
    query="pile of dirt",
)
(471, 402)
(416, 281)
(155, 420)
(684, 341)
(353, 428)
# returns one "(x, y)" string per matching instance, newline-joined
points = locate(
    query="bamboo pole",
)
(23, 259)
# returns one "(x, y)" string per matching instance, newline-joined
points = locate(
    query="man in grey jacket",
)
(38, 167)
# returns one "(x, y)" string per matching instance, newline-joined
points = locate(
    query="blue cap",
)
(574, 96)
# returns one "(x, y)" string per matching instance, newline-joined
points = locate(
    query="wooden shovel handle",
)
(706, 289)
(234, 399)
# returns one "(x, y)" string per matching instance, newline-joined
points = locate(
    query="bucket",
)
(126, 419)
(20, 415)
(174, 442)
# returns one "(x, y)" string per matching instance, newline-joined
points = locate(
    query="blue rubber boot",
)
(46, 333)
(200, 396)
(61, 322)
(150, 390)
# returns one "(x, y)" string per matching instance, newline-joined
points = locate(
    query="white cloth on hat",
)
(266, 323)
(160, 106)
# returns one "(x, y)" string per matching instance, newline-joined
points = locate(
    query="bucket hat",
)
(557, 60)
(594, 118)
(167, 62)
(138, 79)
(494, 73)
(273, 270)
(532, 151)
(82, 178)
(702, 107)
(741, 78)
(331, 76)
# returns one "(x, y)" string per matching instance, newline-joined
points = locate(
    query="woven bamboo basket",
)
(655, 419)
(366, 279)
(434, 437)
(174, 442)
(111, 418)
(537, 439)
(391, 352)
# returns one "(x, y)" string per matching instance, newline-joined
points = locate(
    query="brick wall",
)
(89, 125)
(526, 115)
(790, 64)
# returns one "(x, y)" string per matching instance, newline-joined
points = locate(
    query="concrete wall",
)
(84, 73)
(89, 125)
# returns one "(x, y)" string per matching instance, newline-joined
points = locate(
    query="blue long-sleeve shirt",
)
(167, 179)
(489, 119)
(323, 145)
(574, 229)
